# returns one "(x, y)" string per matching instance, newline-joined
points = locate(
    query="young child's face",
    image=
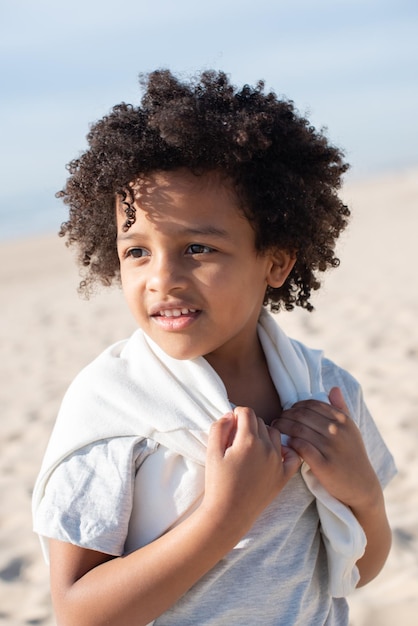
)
(190, 272)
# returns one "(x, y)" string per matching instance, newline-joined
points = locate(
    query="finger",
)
(309, 417)
(246, 421)
(263, 429)
(291, 461)
(337, 400)
(304, 422)
(221, 434)
(310, 403)
(275, 438)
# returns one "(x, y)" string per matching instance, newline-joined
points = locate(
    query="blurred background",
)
(349, 65)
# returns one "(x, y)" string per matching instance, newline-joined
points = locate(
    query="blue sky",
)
(350, 65)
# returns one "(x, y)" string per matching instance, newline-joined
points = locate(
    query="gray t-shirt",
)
(276, 575)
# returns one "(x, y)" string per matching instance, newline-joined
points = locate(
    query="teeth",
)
(176, 312)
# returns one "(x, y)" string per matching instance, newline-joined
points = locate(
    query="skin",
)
(331, 444)
(195, 284)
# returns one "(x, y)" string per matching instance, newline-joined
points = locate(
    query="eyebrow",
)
(193, 232)
(207, 230)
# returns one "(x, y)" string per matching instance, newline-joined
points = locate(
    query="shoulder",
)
(109, 369)
(382, 460)
(88, 498)
(335, 375)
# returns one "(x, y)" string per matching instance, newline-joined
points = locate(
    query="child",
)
(209, 470)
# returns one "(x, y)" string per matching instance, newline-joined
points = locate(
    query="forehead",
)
(179, 194)
(182, 183)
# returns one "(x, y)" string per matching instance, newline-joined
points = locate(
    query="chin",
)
(175, 351)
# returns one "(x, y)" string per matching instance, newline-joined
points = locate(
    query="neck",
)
(248, 383)
(238, 364)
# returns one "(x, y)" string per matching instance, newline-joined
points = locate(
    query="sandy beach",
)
(365, 320)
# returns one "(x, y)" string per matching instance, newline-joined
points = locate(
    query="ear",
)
(281, 264)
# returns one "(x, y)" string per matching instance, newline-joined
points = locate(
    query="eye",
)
(197, 248)
(137, 253)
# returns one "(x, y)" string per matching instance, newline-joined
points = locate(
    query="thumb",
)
(291, 461)
(336, 399)
(221, 435)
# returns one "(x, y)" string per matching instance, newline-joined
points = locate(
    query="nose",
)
(166, 274)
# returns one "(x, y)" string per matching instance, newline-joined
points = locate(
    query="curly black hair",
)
(285, 173)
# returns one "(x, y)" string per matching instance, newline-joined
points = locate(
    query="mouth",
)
(174, 312)
(175, 319)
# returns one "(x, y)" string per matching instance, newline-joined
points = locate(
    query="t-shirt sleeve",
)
(88, 498)
(379, 454)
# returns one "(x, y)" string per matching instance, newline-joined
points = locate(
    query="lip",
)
(172, 310)
(175, 319)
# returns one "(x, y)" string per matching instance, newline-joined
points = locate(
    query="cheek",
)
(131, 289)
(211, 277)
(125, 282)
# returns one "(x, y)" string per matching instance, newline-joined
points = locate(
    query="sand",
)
(366, 320)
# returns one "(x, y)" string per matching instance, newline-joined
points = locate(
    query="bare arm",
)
(330, 442)
(372, 517)
(244, 472)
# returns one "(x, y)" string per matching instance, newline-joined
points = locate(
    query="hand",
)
(331, 444)
(246, 467)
